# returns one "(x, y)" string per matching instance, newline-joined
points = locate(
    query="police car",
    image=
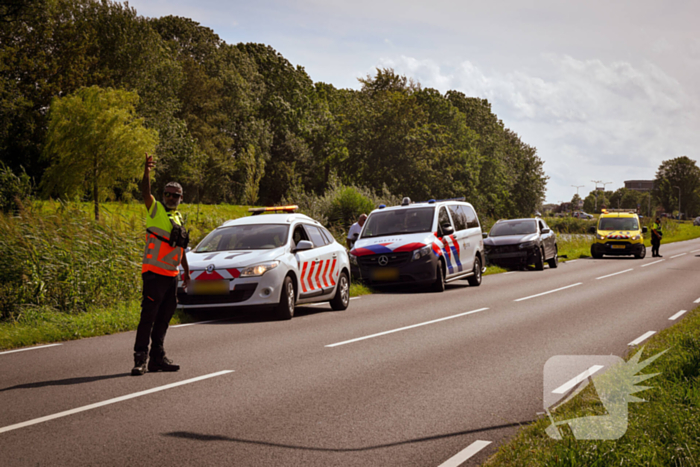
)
(427, 243)
(273, 260)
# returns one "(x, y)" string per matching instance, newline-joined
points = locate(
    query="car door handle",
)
(334, 255)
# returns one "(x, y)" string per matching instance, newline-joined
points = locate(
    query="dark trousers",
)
(157, 307)
(655, 243)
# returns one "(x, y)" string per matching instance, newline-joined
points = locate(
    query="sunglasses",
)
(167, 194)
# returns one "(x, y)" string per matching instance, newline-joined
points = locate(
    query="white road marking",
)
(643, 337)
(572, 261)
(682, 254)
(465, 454)
(511, 272)
(693, 251)
(197, 322)
(355, 298)
(405, 328)
(545, 293)
(649, 264)
(108, 402)
(564, 388)
(614, 274)
(29, 348)
(697, 301)
(677, 315)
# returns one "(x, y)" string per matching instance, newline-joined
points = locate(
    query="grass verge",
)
(663, 431)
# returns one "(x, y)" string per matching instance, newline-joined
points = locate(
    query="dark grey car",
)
(520, 242)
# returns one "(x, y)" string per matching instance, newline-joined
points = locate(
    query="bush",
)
(14, 190)
(347, 206)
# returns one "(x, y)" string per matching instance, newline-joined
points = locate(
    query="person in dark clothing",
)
(160, 272)
(656, 235)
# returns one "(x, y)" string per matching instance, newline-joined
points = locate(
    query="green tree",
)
(681, 172)
(95, 143)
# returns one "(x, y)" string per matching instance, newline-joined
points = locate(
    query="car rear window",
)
(524, 227)
(245, 237)
(399, 221)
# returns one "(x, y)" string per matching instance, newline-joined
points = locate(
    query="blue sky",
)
(605, 90)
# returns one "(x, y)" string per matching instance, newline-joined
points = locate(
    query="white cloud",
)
(588, 119)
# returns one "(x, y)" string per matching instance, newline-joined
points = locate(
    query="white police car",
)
(277, 260)
(420, 243)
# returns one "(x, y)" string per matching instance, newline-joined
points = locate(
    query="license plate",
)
(619, 247)
(208, 288)
(385, 274)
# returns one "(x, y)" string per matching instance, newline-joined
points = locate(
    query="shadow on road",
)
(65, 382)
(203, 437)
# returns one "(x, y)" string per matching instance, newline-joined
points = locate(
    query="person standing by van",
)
(355, 230)
(656, 235)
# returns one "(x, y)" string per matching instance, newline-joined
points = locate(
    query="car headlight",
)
(600, 237)
(353, 259)
(522, 246)
(420, 252)
(636, 237)
(259, 269)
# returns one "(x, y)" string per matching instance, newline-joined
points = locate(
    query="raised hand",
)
(149, 163)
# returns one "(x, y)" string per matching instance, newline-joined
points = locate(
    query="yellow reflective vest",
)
(159, 257)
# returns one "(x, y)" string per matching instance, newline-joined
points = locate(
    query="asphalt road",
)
(456, 376)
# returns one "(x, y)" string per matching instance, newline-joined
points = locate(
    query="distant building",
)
(639, 185)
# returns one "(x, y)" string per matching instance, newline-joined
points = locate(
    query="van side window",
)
(443, 219)
(472, 220)
(458, 216)
(315, 234)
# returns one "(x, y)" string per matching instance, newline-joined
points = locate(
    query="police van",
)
(277, 261)
(427, 243)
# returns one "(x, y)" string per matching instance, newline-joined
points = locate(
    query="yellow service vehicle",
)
(619, 233)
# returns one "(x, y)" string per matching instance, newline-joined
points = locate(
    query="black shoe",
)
(162, 363)
(140, 360)
(659, 256)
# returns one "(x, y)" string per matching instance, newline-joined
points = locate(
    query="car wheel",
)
(285, 308)
(554, 262)
(439, 284)
(342, 293)
(642, 253)
(539, 262)
(475, 280)
(595, 254)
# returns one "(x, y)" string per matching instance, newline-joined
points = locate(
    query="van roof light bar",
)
(257, 211)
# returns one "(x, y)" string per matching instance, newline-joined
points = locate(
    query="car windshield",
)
(399, 221)
(245, 237)
(618, 223)
(513, 228)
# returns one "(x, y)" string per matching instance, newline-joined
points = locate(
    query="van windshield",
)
(618, 223)
(400, 221)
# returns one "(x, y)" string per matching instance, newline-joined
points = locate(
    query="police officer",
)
(159, 273)
(355, 230)
(656, 238)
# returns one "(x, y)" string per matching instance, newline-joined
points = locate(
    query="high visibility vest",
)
(159, 257)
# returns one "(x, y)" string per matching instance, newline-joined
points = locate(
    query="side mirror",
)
(644, 230)
(591, 229)
(189, 248)
(304, 245)
(485, 234)
(447, 229)
(545, 231)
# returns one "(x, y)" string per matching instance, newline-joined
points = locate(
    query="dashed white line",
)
(649, 264)
(30, 348)
(682, 254)
(615, 274)
(642, 338)
(511, 272)
(465, 454)
(678, 315)
(197, 322)
(405, 328)
(697, 301)
(693, 251)
(564, 388)
(108, 402)
(569, 262)
(545, 293)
